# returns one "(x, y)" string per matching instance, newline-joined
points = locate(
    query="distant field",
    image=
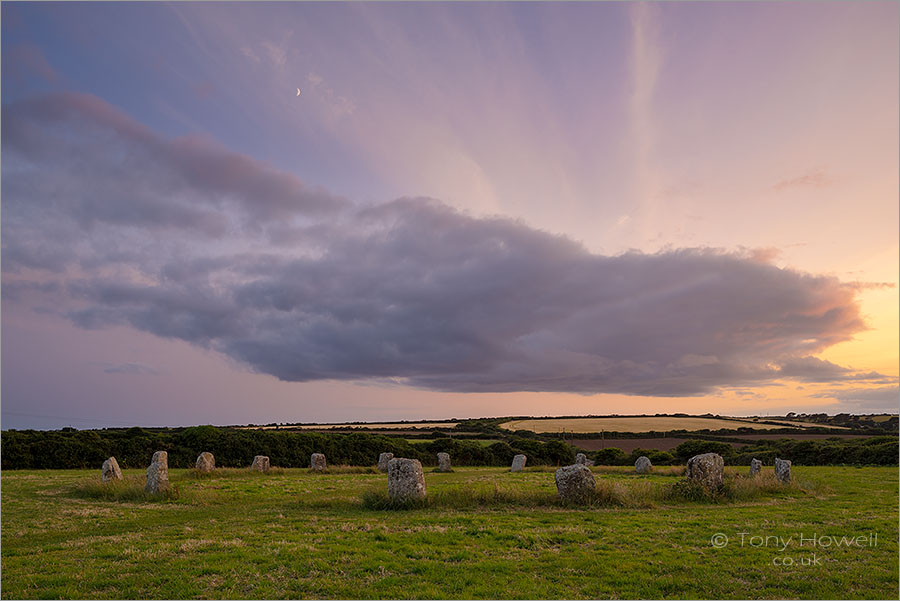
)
(631, 424)
(807, 424)
(297, 535)
(380, 426)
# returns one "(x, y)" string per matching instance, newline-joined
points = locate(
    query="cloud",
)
(25, 59)
(188, 240)
(336, 104)
(109, 170)
(815, 179)
(883, 398)
(130, 369)
(812, 369)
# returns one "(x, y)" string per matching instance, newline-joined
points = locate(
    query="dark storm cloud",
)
(187, 240)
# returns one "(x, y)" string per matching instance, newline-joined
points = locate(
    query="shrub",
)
(689, 448)
(610, 456)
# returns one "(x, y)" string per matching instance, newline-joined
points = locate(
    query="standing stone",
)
(158, 473)
(443, 462)
(110, 470)
(406, 481)
(783, 470)
(708, 469)
(518, 463)
(643, 465)
(260, 463)
(317, 462)
(574, 483)
(581, 459)
(755, 466)
(383, 461)
(205, 462)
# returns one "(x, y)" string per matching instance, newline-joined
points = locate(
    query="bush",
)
(689, 448)
(655, 456)
(610, 456)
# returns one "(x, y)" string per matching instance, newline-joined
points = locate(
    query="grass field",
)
(586, 425)
(300, 535)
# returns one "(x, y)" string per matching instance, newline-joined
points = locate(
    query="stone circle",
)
(383, 460)
(574, 483)
(110, 470)
(406, 480)
(518, 463)
(755, 466)
(443, 462)
(260, 463)
(643, 465)
(317, 462)
(158, 473)
(783, 470)
(205, 462)
(707, 469)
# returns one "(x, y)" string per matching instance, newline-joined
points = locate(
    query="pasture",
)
(585, 425)
(487, 533)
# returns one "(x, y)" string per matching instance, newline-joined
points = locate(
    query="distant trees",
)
(233, 447)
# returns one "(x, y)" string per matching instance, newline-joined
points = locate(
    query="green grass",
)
(483, 533)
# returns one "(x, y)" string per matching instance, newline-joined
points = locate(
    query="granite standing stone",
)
(708, 469)
(643, 465)
(574, 482)
(110, 470)
(205, 462)
(755, 466)
(383, 460)
(158, 473)
(260, 463)
(443, 462)
(581, 459)
(783, 470)
(317, 462)
(406, 481)
(518, 463)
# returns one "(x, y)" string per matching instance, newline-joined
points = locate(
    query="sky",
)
(470, 209)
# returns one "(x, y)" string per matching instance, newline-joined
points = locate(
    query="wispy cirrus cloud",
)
(188, 240)
(25, 59)
(816, 178)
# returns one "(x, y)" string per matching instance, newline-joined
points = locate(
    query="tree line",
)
(878, 450)
(232, 447)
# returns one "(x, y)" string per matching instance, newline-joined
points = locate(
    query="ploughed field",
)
(486, 533)
(643, 424)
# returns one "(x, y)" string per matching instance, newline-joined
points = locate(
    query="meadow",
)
(485, 533)
(642, 424)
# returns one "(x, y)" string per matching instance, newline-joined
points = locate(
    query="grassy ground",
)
(297, 534)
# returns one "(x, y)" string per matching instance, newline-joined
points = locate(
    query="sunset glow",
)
(237, 213)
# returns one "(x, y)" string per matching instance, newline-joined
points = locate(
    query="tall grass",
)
(607, 493)
(735, 488)
(128, 489)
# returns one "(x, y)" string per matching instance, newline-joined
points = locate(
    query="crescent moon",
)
(298, 91)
